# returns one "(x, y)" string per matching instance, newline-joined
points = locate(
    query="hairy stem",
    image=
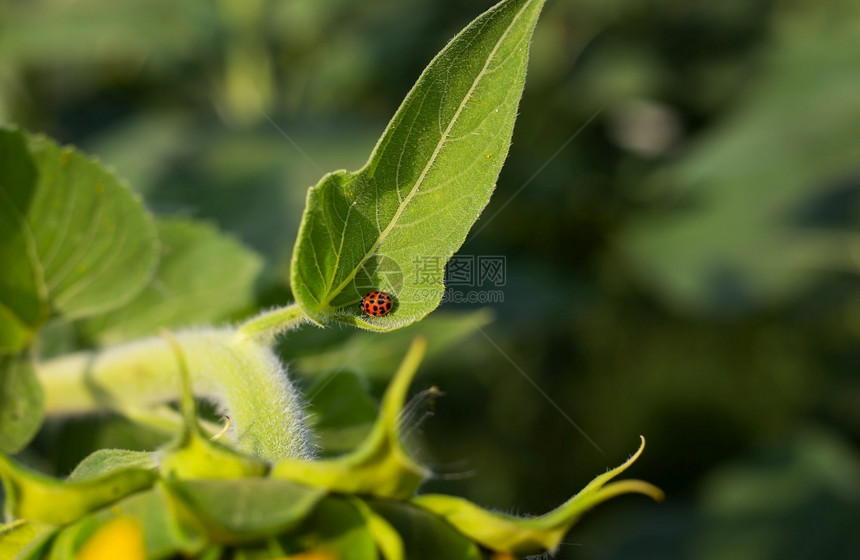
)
(265, 326)
(239, 374)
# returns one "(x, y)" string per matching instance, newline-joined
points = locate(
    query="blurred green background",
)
(683, 266)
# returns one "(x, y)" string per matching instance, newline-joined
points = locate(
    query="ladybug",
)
(376, 304)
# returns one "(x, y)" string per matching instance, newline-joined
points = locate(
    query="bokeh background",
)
(679, 213)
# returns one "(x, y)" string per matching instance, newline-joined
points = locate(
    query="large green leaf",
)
(21, 403)
(425, 184)
(71, 225)
(22, 290)
(95, 242)
(202, 277)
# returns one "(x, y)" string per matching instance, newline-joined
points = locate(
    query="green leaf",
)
(21, 403)
(22, 291)
(203, 276)
(16, 535)
(105, 461)
(386, 536)
(96, 243)
(426, 536)
(379, 466)
(164, 532)
(243, 510)
(38, 547)
(30, 495)
(91, 237)
(428, 179)
(72, 537)
(341, 412)
(535, 535)
(335, 530)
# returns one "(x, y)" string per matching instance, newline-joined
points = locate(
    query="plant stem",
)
(242, 376)
(267, 325)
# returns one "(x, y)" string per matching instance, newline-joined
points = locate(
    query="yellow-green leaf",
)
(30, 495)
(523, 536)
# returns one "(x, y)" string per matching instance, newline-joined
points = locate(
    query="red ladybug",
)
(376, 304)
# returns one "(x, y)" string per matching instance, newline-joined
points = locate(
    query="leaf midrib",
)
(439, 145)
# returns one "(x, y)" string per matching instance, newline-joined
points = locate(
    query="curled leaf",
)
(30, 495)
(522, 536)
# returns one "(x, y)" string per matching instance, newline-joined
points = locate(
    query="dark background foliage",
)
(678, 215)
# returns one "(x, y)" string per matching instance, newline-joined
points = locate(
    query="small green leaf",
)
(22, 291)
(335, 530)
(16, 535)
(105, 461)
(21, 403)
(341, 412)
(203, 276)
(38, 547)
(428, 179)
(426, 536)
(72, 537)
(30, 495)
(386, 536)
(379, 466)
(523, 536)
(242, 510)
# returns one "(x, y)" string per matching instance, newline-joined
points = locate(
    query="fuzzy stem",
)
(241, 375)
(267, 325)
